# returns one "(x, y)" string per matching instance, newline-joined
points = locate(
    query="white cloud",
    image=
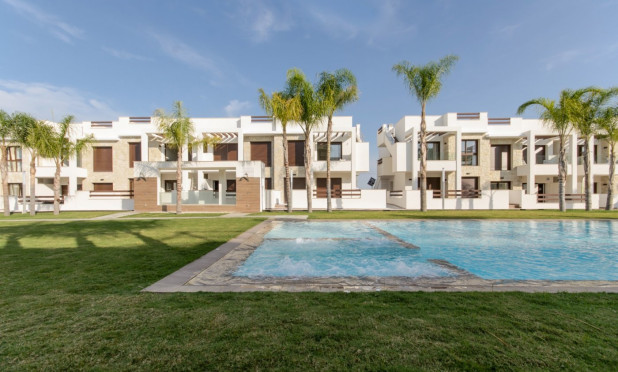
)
(561, 58)
(185, 53)
(262, 19)
(236, 107)
(124, 55)
(334, 25)
(49, 102)
(50, 22)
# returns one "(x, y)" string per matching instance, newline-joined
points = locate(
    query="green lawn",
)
(69, 299)
(168, 214)
(62, 215)
(479, 214)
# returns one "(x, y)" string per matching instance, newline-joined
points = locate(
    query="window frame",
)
(474, 155)
(321, 150)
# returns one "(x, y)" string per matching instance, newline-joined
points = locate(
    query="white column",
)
(414, 161)
(353, 157)
(530, 184)
(458, 160)
(592, 157)
(144, 141)
(185, 153)
(222, 186)
(572, 180)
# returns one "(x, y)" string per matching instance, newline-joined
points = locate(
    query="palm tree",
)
(557, 116)
(608, 129)
(425, 83)
(586, 108)
(335, 91)
(60, 147)
(178, 131)
(286, 109)
(34, 135)
(297, 85)
(5, 130)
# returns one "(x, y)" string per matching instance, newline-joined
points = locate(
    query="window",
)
(135, 153)
(433, 150)
(226, 151)
(261, 151)
(190, 152)
(170, 185)
(298, 183)
(15, 189)
(469, 187)
(335, 188)
(335, 151)
(231, 186)
(501, 185)
(102, 159)
(171, 153)
(469, 152)
(13, 158)
(501, 157)
(296, 153)
(78, 159)
(539, 154)
(107, 186)
(268, 183)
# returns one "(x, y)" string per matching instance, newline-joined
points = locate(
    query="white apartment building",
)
(130, 167)
(485, 163)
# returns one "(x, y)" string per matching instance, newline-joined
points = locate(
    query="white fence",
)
(411, 199)
(81, 201)
(368, 199)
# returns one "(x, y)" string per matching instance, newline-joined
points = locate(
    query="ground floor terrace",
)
(79, 298)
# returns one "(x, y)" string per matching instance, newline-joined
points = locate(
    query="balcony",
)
(335, 166)
(49, 172)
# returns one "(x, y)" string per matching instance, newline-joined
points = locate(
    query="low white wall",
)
(272, 198)
(515, 196)
(369, 199)
(529, 201)
(81, 201)
(603, 200)
(490, 199)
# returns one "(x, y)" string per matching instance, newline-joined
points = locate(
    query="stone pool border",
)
(211, 273)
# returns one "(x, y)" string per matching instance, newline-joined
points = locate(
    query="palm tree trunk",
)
(329, 131)
(179, 181)
(57, 187)
(609, 205)
(286, 164)
(561, 176)
(32, 183)
(587, 174)
(5, 180)
(423, 160)
(308, 182)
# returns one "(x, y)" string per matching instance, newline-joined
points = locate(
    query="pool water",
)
(518, 250)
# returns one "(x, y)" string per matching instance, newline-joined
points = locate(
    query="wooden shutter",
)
(135, 153)
(103, 187)
(261, 151)
(296, 153)
(299, 183)
(219, 152)
(232, 151)
(335, 187)
(102, 159)
(268, 183)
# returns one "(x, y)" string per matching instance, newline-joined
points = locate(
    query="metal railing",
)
(41, 199)
(112, 194)
(468, 116)
(555, 198)
(139, 119)
(468, 194)
(498, 121)
(395, 193)
(339, 194)
(101, 124)
(265, 119)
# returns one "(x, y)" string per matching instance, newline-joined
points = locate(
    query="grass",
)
(479, 214)
(73, 302)
(168, 214)
(50, 215)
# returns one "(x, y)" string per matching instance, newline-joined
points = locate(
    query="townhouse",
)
(478, 162)
(131, 167)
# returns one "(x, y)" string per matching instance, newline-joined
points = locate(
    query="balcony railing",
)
(555, 198)
(395, 193)
(41, 199)
(338, 194)
(498, 121)
(139, 119)
(468, 116)
(468, 194)
(112, 194)
(101, 124)
(264, 119)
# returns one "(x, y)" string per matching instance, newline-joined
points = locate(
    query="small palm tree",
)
(608, 129)
(335, 90)
(178, 131)
(286, 110)
(425, 83)
(60, 147)
(297, 85)
(586, 108)
(34, 135)
(6, 127)
(557, 116)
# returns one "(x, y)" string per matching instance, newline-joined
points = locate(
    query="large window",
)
(296, 153)
(433, 150)
(469, 152)
(13, 157)
(500, 185)
(102, 159)
(226, 151)
(335, 151)
(135, 153)
(500, 157)
(262, 151)
(15, 189)
(171, 153)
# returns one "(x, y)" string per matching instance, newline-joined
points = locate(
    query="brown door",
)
(335, 187)
(64, 190)
(434, 183)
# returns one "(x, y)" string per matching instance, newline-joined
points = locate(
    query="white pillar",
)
(414, 160)
(530, 189)
(144, 141)
(458, 160)
(222, 186)
(353, 157)
(572, 181)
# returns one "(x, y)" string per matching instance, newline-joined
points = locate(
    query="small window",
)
(501, 185)
(231, 186)
(433, 150)
(500, 157)
(13, 158)
(106, 186)
(298, 183)
(102, 159)
(135, 153)
(335, 151)
(45, 181)
(469, 152)
(15, 189)
(171, 153)
(170, 185)
(268, 183)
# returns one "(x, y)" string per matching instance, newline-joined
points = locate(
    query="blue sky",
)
(102, 59)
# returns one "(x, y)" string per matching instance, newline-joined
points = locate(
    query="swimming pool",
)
(517, 250)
